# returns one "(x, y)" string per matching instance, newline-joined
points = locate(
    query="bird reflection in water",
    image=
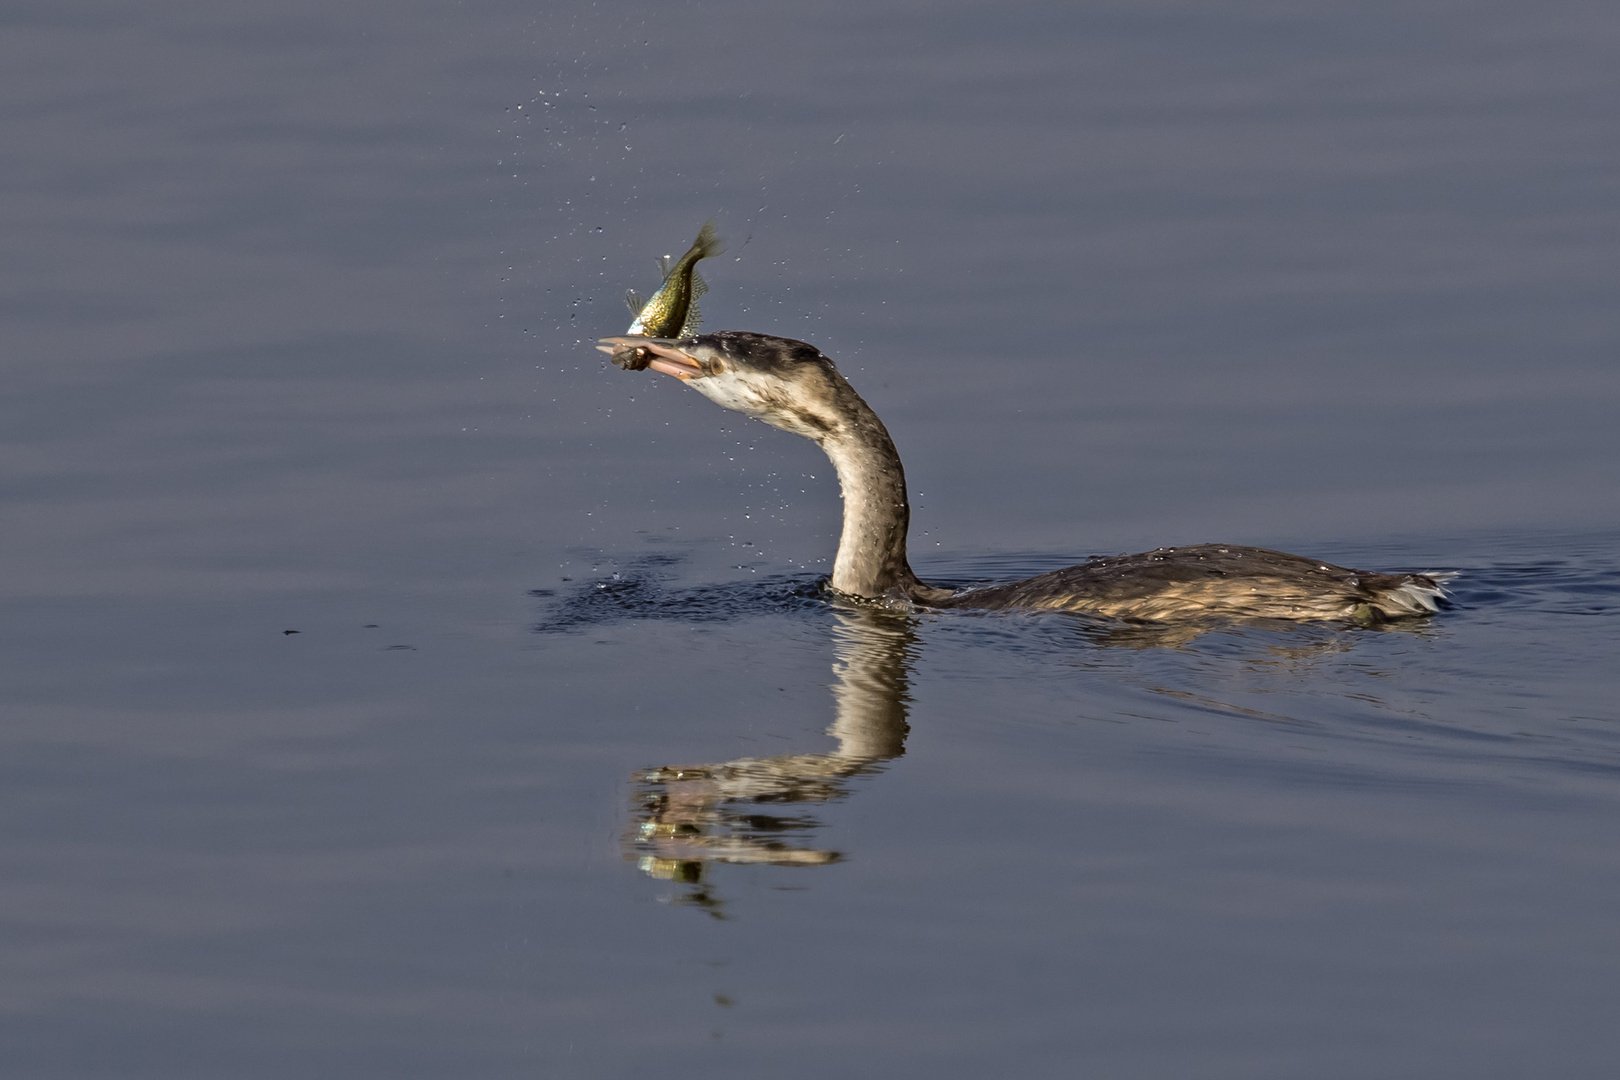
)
(751, 810)
(688, 817)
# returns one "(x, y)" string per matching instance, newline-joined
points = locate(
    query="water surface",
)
(393, 688)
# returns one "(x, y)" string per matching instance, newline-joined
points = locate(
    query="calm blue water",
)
(393, 688)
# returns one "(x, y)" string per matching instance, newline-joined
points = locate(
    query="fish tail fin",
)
(634, 300)
(708, 243)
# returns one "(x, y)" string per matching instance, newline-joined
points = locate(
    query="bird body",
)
(791, 385)
(1220, 579)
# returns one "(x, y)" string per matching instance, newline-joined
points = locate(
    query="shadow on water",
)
(641, 591)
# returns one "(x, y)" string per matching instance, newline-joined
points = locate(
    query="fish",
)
(673, 311)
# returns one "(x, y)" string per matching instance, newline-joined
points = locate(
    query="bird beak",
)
(660, 354)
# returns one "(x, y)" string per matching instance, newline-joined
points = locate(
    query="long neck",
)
(872, 550)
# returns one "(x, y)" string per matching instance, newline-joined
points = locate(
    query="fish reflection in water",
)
(688, 817)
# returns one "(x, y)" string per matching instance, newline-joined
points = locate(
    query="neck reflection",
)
(687, 818)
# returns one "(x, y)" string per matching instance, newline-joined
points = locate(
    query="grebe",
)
(790, 385)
